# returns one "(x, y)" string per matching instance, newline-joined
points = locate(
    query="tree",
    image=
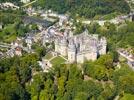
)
(37, 85)
(61, 87)
(106, 60)
(93, 28)
(81, 96)
(127, 83)
(48, 92)
(34, 27)
(41, 51)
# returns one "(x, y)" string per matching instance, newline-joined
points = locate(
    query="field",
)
(57, 60)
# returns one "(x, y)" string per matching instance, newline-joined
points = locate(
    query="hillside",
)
(86, 8)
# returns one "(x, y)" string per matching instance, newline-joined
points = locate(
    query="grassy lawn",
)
(127, 97)
(57, 60)
(48, 56)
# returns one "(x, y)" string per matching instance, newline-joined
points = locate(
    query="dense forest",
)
(20, 79)
(86, 8)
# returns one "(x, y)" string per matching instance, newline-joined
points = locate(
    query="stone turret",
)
(71, 52)
(63, 46)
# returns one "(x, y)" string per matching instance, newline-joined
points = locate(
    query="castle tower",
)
(63, 46)
(103, 49)
(71, 52)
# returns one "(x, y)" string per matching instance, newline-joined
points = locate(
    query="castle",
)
(82, 47)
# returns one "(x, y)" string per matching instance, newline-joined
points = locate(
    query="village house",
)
(10, 53)
(18, 51)
(8, 5)
(29, 40)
